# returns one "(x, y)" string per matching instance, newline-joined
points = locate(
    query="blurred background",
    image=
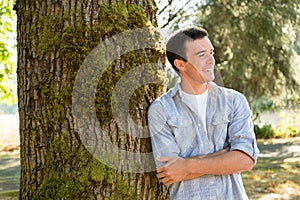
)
(257, 47)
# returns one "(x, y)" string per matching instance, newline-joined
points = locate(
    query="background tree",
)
(253, 41)
(254, 44)
(54, 38)
(8, 93)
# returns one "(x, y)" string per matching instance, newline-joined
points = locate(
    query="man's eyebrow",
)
(199, 52)
(203, 51)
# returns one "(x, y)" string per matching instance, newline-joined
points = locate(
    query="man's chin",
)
(210, 79)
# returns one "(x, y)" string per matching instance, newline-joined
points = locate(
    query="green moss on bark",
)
(79, 185)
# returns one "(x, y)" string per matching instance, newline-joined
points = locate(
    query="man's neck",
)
(193, 88)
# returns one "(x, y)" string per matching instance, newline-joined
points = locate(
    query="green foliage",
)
(8, 87)
(261, 105)
(254, 43)
(289, 129)
(265, 132)
(286, 132)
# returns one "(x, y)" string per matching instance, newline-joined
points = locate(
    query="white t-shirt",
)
(197, 103)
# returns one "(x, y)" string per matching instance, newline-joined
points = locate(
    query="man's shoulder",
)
(228, 91)
(165, 100)
(167, 96)
(233, 96)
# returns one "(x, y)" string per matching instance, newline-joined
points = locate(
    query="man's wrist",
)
(191, 163)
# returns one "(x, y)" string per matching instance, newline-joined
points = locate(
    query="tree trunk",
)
(84, 85)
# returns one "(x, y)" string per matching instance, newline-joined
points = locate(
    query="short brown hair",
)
(176, 44)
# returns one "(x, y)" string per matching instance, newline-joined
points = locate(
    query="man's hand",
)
(175, 170)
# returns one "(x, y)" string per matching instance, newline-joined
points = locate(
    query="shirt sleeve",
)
(240, 131)
(162, 138)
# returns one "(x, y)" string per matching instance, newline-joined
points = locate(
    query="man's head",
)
(176, 48)
(191, 54)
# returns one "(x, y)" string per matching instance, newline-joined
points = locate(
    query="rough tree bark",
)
(54, 38)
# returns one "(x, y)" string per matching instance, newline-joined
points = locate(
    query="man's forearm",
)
(195, 174)
(211, 154)
(220, 164)
(179, 169)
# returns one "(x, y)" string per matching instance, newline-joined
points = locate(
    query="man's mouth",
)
(209, 70)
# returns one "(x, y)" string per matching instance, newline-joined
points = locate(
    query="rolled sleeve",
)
(240, 131)
(162, 139)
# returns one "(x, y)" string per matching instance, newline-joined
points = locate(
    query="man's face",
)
(200, 60)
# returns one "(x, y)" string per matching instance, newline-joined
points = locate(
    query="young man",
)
(202, 134)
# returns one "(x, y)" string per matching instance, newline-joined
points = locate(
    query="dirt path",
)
(9, 157)
(9, 176)
(280, 148)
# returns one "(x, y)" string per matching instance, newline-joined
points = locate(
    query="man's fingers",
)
(168, 160)
(164, 173)
(166, 181)
(164, 178)
(161, 175)
(161, 169)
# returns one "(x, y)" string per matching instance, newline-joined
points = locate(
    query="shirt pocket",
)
(183, 131)
(219, 127)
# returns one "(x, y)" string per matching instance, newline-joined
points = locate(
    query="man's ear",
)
(179, 64)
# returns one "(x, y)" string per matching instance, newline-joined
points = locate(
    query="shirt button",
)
(211, 183)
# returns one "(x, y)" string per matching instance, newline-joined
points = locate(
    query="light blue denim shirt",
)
(177, 131)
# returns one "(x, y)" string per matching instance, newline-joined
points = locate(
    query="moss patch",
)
(80, 186)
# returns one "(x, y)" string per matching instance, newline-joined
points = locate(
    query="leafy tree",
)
(254, 43)
(8, 93)
(253, 40)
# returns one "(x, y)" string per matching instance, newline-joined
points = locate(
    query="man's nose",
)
(210, 59)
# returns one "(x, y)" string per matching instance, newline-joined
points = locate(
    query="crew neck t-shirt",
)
(197, 103)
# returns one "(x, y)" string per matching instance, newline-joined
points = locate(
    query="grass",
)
(9, 195)
(277, 171)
